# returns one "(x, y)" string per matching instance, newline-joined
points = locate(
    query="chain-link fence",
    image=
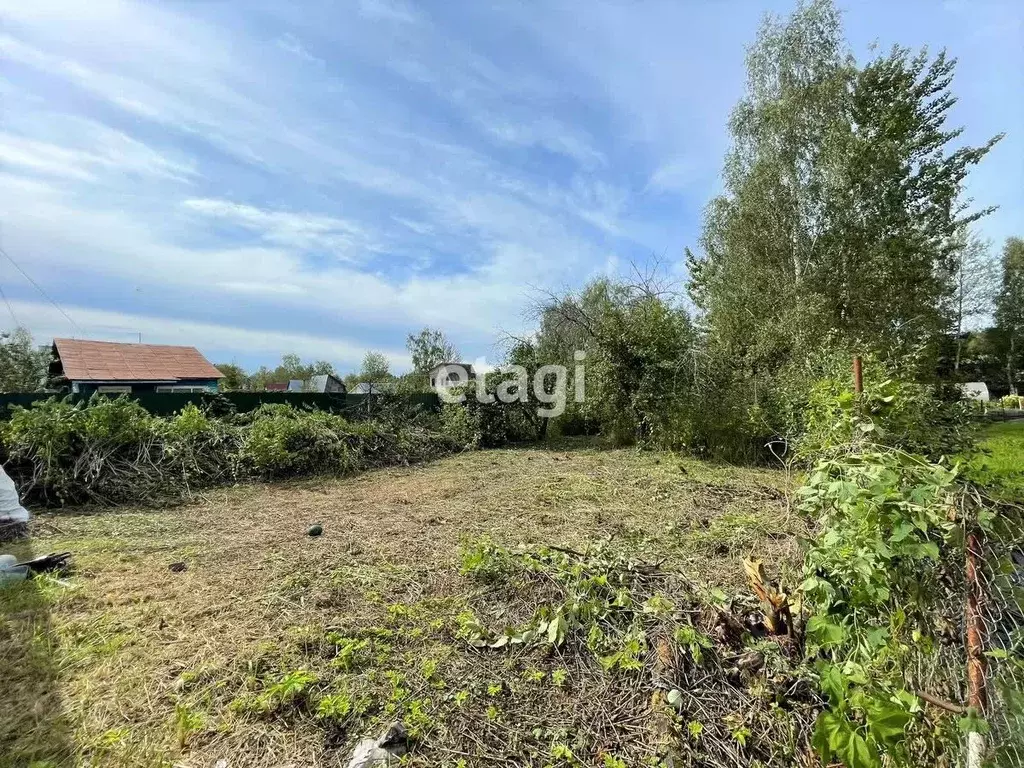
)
(994, 634)
(971, 678)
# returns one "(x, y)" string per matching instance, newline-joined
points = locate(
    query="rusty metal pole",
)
(976, 694)
(858, 375)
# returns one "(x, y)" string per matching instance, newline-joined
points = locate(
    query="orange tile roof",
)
(84, 360)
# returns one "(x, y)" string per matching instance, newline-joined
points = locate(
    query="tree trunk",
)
(1009, 368)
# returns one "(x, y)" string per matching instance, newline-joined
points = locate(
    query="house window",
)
(112, 389)
(182, 389)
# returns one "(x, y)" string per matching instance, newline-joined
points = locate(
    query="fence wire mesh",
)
(972, 678)
(994, 577)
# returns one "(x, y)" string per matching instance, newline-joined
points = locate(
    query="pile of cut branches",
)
(650, 668)
(115, 452)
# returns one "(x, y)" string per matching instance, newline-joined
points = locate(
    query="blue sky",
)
(256, 178)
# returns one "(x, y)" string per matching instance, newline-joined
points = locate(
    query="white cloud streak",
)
(217, 342)
(374, 165)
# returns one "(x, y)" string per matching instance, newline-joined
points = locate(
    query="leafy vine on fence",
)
(873, 581)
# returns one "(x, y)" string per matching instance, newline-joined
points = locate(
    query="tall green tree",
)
(975, 285)
(843, 206)
(897, 217)
(639, 346)
(1010, 308)
(430, 347)
(755, 281)
(23, 366)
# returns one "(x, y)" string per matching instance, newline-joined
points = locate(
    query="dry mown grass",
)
(129, 663)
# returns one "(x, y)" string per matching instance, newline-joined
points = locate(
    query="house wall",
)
(87, 388)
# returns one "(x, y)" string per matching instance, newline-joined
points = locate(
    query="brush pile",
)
(630, 665)
(114, 451)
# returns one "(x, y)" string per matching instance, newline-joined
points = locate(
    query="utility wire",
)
(9, 307)
(7, 301)
(44, 293)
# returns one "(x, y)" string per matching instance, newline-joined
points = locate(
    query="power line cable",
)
(9, 307)
(6, 300)
(39, 288)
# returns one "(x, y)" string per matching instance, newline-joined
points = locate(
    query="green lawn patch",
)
(1000, 465)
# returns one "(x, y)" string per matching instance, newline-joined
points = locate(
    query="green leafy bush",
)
(281, 441)
(460, 424)
(874, 581)
(198, 449)
(490, 425)
(929, 420)
(70, 453)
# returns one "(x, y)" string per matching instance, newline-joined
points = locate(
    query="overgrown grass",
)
(274, 648)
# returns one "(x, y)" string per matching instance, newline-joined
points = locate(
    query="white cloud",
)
(544, 132)
(388, 10)
(419, 227)
(44, 158)
(302, 231)
(98, 152)
(265, 288)
(214, 340)
(676, 175)
(143, 260)
(294, 46)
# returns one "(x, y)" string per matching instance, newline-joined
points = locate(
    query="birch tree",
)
(1010, 307)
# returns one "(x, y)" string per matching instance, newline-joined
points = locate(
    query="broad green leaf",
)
(858, 753)
(877, 637)
(557, 629)
(833, 683)
(831, 731)
(930, 550)
(824, 632)
(887, 722)
(900, 532)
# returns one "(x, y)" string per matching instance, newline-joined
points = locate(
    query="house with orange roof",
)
(113, 367)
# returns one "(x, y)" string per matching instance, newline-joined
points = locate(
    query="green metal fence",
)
(167, 403)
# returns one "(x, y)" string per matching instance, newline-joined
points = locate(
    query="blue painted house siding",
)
(88, 387)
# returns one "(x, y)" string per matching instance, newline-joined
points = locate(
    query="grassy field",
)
(1001, 464)
(271, 647)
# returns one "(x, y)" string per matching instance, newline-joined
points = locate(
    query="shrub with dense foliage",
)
(114, 451)
(932, 420)
(884, 578)
(875, 585)
(477, 424)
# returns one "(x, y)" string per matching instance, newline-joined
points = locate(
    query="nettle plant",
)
(872, 582)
